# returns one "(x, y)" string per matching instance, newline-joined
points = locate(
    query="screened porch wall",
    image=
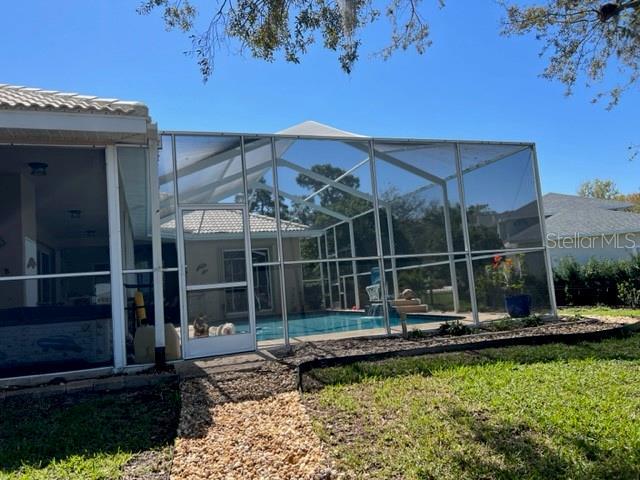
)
(55, 286)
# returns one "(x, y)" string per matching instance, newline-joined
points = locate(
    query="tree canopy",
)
(607, 190)
(599, 188)
(580, 38)
(633, 198)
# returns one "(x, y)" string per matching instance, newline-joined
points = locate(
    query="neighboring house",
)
(589, 227)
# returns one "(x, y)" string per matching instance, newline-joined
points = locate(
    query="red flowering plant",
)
(507, 273)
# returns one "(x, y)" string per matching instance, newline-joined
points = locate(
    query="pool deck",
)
(465, 319)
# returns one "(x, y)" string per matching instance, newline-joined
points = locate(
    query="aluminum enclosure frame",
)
(468, 253)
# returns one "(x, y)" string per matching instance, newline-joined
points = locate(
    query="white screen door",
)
(218, 313)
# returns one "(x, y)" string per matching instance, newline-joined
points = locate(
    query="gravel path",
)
(247, 425)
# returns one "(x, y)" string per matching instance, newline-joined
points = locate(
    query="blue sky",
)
(471, 84)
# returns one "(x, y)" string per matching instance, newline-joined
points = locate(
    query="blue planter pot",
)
(518, 306)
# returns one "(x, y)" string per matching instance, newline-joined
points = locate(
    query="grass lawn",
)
(545, 412)
(84, 436)
(601, 311)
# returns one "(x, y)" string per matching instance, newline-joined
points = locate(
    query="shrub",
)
(417, 334)
(453, 327)
(532, 321)
(597, 282)
(629, 295)
(507, 323)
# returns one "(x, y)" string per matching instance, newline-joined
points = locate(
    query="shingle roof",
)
(17, 97)
(570, 215)
(205, 222)
(559, 202)
(590, 222)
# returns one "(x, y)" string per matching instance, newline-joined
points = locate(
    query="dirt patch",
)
(150, 465)
(155, 463)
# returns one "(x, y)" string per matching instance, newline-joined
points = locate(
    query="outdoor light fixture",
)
(38, 169)
(74, 213)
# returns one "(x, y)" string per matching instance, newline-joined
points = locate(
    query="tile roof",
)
(558, 202)
(229, 221)
(25, 98)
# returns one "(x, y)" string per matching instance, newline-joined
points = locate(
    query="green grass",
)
(546, 412)
(84, 436)
(603, 311)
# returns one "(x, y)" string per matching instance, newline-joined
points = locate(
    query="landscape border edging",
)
(566, 338)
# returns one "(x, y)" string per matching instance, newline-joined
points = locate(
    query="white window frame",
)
(267, 250)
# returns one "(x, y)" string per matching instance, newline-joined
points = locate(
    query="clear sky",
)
(471, 84)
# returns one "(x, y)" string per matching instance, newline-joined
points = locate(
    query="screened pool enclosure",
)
(270, 239)
(121, 246)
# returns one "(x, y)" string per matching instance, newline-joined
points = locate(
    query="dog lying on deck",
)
(226, 329)
(200, 327)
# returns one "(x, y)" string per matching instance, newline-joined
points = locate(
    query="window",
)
(235, 271)
(234, 266)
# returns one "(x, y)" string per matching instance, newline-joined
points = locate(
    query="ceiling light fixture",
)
(38, 169)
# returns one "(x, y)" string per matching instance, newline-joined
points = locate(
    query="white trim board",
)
(73, 121)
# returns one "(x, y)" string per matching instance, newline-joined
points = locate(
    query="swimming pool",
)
(270, 328)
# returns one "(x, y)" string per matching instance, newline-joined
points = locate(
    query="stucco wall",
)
(210, 253)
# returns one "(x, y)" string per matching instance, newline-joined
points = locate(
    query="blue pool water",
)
(270, 328)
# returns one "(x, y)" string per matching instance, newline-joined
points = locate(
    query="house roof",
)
(590, 222)
(558, 202)
(26, 98)
(570, 215)
(207, 222)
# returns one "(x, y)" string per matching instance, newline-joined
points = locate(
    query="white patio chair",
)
(374, 293)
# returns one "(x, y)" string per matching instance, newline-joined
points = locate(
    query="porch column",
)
(115, 254)
(156, 249)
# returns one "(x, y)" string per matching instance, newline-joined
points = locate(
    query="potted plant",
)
(509, 275)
